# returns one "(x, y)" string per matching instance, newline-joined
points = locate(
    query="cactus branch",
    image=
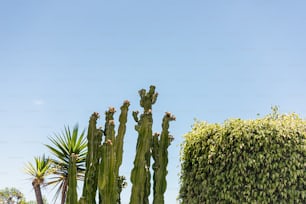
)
(160, 156)
(141, 176)
(94, 138)
(72, 196)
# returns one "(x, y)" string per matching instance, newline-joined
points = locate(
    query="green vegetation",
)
(240, 161)
(111, 155)
(104, 158)
(160, 156)
(149, 145)
(14, 196)
(109, 151)
(64, 146)
(97, 160)
(245, 161)
(11, 195)
(94, 138)
(72, 196)
(141, 176)
(38, 172)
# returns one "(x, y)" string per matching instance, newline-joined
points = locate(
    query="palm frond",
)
(40, 169)
(62, 146)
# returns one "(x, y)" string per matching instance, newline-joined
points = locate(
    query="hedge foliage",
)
(245, 161)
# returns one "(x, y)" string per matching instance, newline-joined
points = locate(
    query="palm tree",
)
(38, 172)
(64, 145)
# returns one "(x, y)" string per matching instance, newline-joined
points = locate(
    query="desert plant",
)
(94, 138)
(160, 156)
(72, 196)
(141, 175)
(111, 155)
(146, 145)
(104, 158)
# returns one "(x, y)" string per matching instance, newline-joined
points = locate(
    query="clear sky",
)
(210, 60)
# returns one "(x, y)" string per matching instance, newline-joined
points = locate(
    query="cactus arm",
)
(135, 116)
(121, 184)
(140, 175)
(107, 179)
(155, 148)
(94, 137)
(120, 134)
(160, 156)
(119, 148)
(72, 195)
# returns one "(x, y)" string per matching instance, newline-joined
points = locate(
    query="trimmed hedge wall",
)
(245, 161)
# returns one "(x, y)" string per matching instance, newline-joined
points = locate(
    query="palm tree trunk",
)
(37, 190)
(64, 191)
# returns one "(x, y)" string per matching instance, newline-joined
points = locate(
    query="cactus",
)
(120, 134)
(94, 138)
(111, 155)
(140, 176)
(72, 195)
(121, 184)
(160, 157)
(104, 160)
(107, 177)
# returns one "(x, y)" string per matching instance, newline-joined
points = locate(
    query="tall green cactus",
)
(111, 156)
(104, 160)
(107, 177)
(119, 148)
(160, 156)
(94, 138)
(120, 134)
(140, 176)
(72, 196)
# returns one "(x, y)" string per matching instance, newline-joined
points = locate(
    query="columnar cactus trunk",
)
(94, 138)
(119, 147)
(140, 176)
(160, 156)
(120, 135)
(72, 196)
(107, 177)
(111, 156)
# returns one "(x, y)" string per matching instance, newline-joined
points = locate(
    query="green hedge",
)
(245, 161)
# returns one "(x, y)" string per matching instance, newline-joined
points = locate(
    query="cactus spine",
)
(72, 196)
(140, 176)
(94, 138)
(160, 156)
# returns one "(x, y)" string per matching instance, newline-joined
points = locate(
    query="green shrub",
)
(245, 161)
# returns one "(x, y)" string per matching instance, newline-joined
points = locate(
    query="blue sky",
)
(210, 60)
